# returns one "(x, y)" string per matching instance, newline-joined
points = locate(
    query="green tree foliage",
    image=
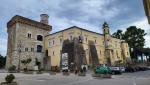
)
(134, 37)
(26, 62)
(9, 78)
(118, 34)
(2, 61)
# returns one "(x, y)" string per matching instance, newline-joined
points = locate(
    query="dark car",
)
(129, 69)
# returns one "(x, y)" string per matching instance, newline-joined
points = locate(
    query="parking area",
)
(136, 78)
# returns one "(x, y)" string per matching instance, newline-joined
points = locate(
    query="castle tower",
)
(26, 40)
(106, 34)
(107, 43)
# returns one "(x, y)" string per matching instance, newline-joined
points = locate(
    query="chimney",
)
(44, 18)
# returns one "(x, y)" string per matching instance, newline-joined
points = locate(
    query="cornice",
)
(21, 19)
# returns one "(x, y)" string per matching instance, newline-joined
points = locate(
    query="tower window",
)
(26, 49)
(39, 37)
(32, 49)
(39, 48)
(29, 35)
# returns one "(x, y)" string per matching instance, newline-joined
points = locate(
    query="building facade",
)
(146, 4)
(29, 38)
(26, 40)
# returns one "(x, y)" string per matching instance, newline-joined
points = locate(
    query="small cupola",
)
(44, 18)
(105, 28)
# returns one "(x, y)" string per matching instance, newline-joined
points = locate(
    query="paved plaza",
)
(137, 78)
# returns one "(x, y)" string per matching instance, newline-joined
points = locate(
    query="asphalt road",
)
(137, 78)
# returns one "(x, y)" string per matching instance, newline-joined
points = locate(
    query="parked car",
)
(122, 69)
(116, 70)
(148, 68)
(129, 69)
(142, 68)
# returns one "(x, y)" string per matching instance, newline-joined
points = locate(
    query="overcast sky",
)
(88, 14)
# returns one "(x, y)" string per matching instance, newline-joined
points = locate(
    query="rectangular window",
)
(53, 53)
(71, 37)
(39, 37)
(100, 52)
(49, 43)
(95, 41)
(60, 40)
(26, 49)
(46, 53)
(32, 49)
(86, 39)
(53, 42)
(39, 48)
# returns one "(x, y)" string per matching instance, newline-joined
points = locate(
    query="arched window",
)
(39, 37)
(39, 48)
(29, 35)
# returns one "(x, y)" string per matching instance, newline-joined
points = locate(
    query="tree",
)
(118, 34)
(2, 61)
(26, 62)
(135, 38)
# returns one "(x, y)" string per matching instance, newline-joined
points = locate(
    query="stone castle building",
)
(31, 39)
(146, 4)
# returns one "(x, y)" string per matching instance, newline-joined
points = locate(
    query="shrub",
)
(94, 70)
(25, 69)
(9, 78)
(26, 62)
(12, 68)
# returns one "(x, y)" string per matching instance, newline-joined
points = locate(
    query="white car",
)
(115, 70)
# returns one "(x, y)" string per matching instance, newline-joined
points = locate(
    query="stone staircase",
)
(93, 54)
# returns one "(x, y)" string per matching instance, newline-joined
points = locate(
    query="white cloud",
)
(3, 46)
(88, 14)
